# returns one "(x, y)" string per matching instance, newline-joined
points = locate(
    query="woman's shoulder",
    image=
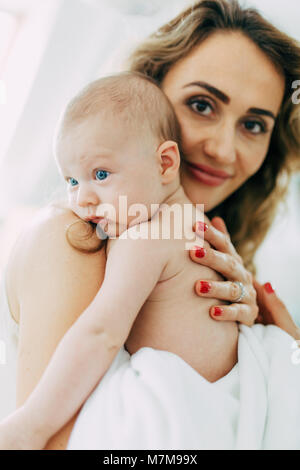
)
(47, 231)
(51, 220)
(42, 254)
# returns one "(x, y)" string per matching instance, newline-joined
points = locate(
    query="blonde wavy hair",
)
(260, 195)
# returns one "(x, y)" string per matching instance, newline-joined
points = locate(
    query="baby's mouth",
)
(97, 220)
(94, 219)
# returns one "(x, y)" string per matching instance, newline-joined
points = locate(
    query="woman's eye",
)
(101, 175)
(72, 181)
(255, 127)
(202, 107)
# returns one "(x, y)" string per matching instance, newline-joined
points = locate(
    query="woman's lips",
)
(207, 175)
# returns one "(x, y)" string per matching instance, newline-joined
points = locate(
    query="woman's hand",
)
(223, 258)
(272, 310)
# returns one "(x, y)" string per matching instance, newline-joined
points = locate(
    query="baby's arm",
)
(88, 348)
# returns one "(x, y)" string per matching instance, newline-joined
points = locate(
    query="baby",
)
(118, 138)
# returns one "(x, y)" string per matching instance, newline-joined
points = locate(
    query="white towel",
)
(155, 400)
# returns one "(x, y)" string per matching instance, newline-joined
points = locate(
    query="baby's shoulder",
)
(142, 241)
(143, 235)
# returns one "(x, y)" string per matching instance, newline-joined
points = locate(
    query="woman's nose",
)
(87, 196)
(221, 145)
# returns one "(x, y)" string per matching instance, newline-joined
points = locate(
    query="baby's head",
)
(118, 137)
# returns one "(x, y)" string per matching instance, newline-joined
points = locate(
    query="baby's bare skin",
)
(174, 320)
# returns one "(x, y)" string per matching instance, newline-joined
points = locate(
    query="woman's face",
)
(227, 95)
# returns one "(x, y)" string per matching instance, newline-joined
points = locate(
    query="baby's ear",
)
(169, 160)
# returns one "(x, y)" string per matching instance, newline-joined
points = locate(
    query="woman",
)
(228, 74)
(210, 122)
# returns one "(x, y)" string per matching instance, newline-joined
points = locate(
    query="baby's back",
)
(175, 319)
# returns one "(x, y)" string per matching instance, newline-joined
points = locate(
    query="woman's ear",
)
(169, 160)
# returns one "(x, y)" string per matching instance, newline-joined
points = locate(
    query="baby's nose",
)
(87, 196)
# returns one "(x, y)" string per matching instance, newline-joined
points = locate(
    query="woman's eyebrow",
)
(214, 91)
(221, 95)
(263, 112)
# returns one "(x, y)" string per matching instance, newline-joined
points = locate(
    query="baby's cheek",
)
(71, 201)
(73, 206)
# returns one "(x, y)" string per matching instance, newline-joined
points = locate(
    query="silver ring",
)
(243, 291)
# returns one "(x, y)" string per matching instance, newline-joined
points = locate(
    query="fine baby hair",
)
(132, 99)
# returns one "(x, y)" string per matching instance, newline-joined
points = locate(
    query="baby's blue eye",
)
(101, 174)
(72, 181)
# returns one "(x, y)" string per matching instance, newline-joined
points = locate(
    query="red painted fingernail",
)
(202, 227)
(218, 311)
(268, 288)
(199, 252)
(205, 287)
